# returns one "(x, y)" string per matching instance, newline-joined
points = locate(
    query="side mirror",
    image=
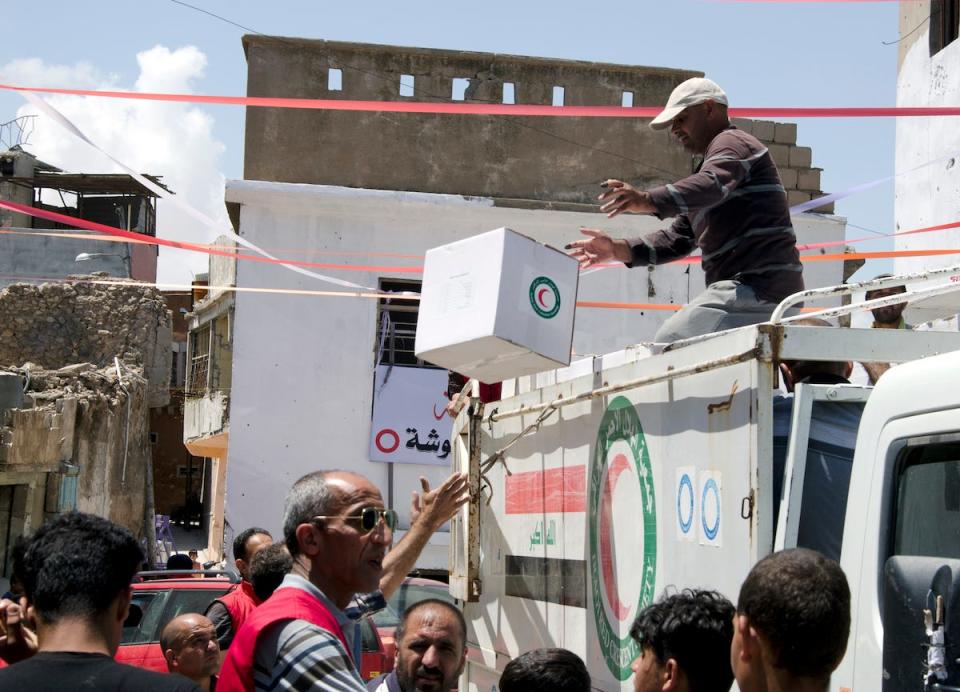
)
(921, 623)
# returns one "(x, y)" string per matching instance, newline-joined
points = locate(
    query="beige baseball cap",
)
(689, 93)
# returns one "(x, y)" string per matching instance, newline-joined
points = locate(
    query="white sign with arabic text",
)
(410, 424)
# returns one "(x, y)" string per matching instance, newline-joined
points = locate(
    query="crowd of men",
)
(296, 627)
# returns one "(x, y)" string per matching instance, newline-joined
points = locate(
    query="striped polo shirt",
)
(734, 209)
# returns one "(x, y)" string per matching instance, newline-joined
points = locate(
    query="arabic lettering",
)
(431, 445)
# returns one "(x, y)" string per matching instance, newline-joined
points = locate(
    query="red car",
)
(161, 600)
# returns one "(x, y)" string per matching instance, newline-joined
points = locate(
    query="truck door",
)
(921, 577)
(812, 462)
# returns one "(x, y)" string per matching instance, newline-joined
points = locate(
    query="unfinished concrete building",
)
(539, 161)
(81, 365)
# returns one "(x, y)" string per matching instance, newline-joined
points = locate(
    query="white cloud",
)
(172, 140)
(35, 72)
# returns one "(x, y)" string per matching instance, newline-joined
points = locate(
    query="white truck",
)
(603, 484)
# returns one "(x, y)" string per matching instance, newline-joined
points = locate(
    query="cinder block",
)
(797, 197)
(780, 153)
(809, 179)
(744, 124)
(800, 157)
(763, 130)
(785, 133)
(788, 177)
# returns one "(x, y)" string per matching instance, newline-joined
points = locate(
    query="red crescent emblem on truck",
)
(618, 466)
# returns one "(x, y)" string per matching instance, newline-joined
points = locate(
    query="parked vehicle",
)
(161, 598)
(604, 483)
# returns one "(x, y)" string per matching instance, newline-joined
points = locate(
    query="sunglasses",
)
(369, 518)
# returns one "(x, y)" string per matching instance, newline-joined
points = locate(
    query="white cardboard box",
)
(497, 305)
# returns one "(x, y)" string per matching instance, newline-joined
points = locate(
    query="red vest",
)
(285, 604)
(240, 603)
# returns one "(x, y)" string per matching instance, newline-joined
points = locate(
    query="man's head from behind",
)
(684, 643)
(245, 546)
(189, 645)
(797, 371)
(335, 530)
(695, 113)
(431, 647)
(268, 568)
(793, 621)
(545, 670)
(889, 314)
(78, 567)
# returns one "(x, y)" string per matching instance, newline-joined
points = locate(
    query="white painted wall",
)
(930, 196)
(303, 366)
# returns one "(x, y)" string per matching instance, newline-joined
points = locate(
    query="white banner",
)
(410, 424)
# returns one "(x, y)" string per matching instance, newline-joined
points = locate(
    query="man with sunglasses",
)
(338, 533)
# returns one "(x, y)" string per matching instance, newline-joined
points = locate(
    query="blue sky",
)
(822, 54)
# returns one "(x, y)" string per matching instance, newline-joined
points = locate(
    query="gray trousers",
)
(723, 305)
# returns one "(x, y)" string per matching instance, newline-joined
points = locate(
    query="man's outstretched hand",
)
(598, 248)
(619, 197)
(436, 507)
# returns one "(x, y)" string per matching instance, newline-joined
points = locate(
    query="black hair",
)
(434, 602)
(547, 670)
(799, 601)
(695, 628)
(179, 561)
(240, 541)
(76, 565)
(268, 568)
(803, 369)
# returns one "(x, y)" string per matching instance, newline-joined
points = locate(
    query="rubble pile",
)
(82, 381)
(60, 324)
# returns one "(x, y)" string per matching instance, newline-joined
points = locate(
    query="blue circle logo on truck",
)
(622, 504)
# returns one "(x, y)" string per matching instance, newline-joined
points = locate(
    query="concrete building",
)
(377, 189)
(32, 248)
(178, 474)
(206, 429)
(928, 74)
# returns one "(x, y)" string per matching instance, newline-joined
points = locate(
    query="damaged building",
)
(81, 365)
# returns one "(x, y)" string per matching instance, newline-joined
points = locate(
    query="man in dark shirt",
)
(76, 573)
(733, 208)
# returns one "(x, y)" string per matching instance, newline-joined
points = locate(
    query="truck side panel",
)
(614, 500)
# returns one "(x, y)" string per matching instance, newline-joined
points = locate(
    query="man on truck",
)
(733, 208)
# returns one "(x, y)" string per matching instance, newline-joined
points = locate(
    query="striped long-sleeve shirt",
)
(296, 655)
(734, 208)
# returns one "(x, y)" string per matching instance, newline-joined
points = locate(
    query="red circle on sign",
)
(387, 432)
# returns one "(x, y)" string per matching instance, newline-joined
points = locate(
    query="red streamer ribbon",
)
(459, 108)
